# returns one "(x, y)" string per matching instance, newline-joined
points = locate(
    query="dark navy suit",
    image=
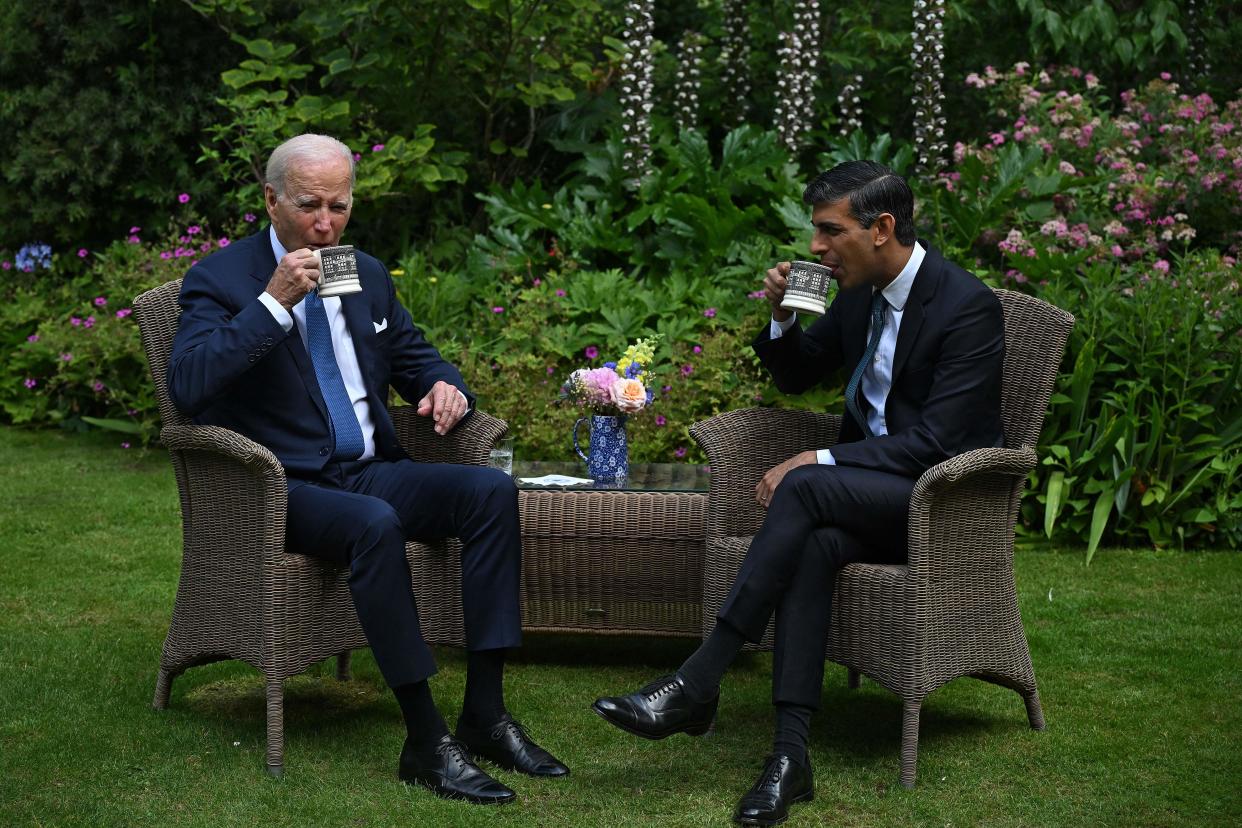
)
(944, 399)
(234, 365)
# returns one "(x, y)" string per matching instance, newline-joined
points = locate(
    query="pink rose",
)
(629, 395)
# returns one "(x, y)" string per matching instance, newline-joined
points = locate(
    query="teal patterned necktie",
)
(346, 433)
(878, 303)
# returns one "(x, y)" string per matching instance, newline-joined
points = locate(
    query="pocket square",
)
(381, 326)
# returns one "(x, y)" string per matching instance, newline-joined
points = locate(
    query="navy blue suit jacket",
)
(947, 367)
(233, 365)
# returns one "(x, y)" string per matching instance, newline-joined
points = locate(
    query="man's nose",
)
(323, 221)
(819, 244)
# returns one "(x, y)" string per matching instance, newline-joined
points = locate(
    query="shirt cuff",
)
(464, 398)
(779, 328)
(282, 316)
(824, 457)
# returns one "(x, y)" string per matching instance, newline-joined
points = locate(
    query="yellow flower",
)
(433, 280)
(546, 206)
(397, 272)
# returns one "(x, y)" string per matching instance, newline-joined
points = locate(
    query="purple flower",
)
(612, 366)
(31, 383)
(710, 313)
(66, 357)
(75, 321)
(89, 322)
(248, 218)
(538, 282)
(184, 198)
(757, 294)
(498, 309)
(124, 445)
(591, 352)
(123, 312)
(1161, 265)
(551, 370)
(83, 252)
(697, 349)
(224, 241)
(100, 301)
(193, 229)
(377, 148)
(204, 247)
(666, 388)
(357, 157)
(559, 292)
(679, 452)
(136, 229)
(167, 254)
(98, 386)
(134, 240)
(687, 369)
(32, 338)
(660, 421)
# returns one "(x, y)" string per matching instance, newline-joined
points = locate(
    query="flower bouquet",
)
(611, 393)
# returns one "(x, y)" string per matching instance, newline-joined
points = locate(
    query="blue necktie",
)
(878, 304)
(346, 433)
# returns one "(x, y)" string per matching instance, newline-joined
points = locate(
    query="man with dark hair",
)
(923, 341)
(259, 351)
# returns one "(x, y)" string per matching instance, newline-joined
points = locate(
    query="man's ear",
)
(882, 229)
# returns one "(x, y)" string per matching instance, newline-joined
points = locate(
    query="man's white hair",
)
(306, 147)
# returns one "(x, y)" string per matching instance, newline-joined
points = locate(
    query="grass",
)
(1138, 658)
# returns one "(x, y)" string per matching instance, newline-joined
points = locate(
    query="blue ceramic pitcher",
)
(609, 458)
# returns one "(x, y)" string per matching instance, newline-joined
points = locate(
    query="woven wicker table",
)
(622, 560)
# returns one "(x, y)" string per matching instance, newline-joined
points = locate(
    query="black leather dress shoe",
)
(448, 772)
(782, 783)
(508, 745)
(660, 709)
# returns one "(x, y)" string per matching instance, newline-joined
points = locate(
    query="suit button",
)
(251, 357)
(323, 452)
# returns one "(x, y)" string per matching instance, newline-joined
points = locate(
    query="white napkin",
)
(555, 480)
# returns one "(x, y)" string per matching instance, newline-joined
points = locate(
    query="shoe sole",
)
(806, 797)
(457, 797)
(697, 730)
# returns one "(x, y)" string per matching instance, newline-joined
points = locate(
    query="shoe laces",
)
(454, 750)
(511, 725)
(660, 687)
(772, 771)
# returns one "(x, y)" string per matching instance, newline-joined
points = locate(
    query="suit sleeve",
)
(216, 343)
(965, 382)
(415, 364)
(801, 359)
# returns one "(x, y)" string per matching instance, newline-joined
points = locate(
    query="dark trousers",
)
(361, 514)
(820, 519)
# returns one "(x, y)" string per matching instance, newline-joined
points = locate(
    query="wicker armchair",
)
(240, 594)
(952, 609)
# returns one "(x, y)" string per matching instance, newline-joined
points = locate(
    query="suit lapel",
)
(925, 283)
(357, 312)
(262, 265)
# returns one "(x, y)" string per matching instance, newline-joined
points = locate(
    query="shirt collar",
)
(278, 249)
(898, 290)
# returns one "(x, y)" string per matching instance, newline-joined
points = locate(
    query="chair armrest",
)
(469, 443)
(963, 511)
(225, 443)
(742, 446)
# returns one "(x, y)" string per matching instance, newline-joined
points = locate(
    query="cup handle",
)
(578, 448)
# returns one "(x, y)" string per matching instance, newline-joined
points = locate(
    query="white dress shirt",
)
(877, 378)
(342, 347)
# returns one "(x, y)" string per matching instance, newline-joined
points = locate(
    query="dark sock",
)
(423, 722)
(793, 731)
(706, 666)
(485, 687)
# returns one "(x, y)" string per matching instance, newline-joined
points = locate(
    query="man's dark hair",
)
(872, 189)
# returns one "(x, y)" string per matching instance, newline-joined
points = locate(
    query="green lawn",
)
(1139, 659)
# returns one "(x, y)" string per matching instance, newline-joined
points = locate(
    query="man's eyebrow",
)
(826, 224)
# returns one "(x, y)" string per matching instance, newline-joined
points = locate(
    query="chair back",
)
(157, 313)
(1035, 337)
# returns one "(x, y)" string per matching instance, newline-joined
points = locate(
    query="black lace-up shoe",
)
(509, 745)
(448, 772)
(660, 709)
(782, 783)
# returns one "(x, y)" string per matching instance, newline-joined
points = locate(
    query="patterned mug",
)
(609, 458)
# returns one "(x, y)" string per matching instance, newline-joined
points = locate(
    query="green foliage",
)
(102, 103)
(75, 356)
(1146, 438)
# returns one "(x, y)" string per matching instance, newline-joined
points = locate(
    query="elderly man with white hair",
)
(259, 351)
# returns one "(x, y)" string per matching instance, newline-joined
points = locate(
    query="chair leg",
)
(342, 666)
(275, 726)
(163, 688)
(855, 679)
(1034, 710)
(909, 741)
